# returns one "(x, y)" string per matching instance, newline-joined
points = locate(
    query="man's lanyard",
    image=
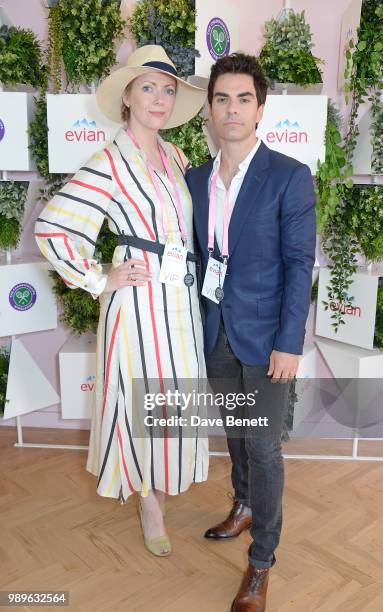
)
(212, 216)
(215, 268)
(159, 193)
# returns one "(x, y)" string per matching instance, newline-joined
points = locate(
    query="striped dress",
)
(148, 334)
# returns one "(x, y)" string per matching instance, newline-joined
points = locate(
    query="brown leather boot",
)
(251, 596)
(238, 520)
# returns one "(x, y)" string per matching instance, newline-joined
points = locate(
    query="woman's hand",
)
(132, 272)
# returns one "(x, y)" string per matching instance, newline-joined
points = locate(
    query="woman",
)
(149, 331)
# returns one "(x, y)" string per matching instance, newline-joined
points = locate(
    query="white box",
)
(27, 303)
(288, 126)
(359, 319)
(77, 359)
(219, 16)
(358, 385)
(351, 361)
(349, 30)
(16, 112)
(77, 130)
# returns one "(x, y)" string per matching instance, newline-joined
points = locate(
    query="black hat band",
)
(162, 66)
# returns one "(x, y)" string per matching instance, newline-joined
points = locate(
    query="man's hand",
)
(283, 366)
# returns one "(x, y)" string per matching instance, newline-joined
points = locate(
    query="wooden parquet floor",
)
(57, 534)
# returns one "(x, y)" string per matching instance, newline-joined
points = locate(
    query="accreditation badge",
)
(214, 278)
(173, 267)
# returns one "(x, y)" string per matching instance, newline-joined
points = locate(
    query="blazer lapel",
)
(247, 197)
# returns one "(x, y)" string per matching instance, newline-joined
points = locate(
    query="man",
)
(254, 212)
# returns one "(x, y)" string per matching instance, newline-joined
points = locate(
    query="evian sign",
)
(287, 131)
(349, 309)
(85, 131)
(295, 125)
(76, 130)
(359, 312)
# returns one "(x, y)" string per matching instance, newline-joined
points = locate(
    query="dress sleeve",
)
(67, 229)
(181, 159)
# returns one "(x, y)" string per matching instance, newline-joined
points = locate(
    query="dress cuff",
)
(95, 282)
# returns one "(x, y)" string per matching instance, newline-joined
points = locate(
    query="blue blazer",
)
(271, 255)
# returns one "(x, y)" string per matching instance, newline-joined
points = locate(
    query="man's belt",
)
(148, 245)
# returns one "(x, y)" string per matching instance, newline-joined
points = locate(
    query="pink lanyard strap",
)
(159, 193)
(226, 218)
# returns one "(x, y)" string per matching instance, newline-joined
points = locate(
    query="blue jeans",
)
(256, 454)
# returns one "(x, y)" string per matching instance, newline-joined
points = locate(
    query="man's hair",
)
(239, 63)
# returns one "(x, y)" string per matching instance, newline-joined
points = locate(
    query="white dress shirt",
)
(234, 189)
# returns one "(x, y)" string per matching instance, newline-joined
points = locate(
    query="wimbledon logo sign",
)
(287, 131)
(22, 296)
(217, 38)
(2, 130)
(85, 132)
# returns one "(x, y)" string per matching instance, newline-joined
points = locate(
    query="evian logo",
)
(354, 311)
(85, 131)
(88, 385)
(287, 131)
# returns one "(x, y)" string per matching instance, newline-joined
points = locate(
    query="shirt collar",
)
(244, 165)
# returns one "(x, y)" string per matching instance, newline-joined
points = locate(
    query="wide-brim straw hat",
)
(150, 58)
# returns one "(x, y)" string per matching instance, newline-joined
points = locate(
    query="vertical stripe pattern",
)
(147, 336)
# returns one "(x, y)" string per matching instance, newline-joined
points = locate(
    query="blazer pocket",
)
(269, 308)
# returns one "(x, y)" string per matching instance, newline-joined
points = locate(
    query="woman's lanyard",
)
(159, 193)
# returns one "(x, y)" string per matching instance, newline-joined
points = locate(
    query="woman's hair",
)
(239, 63)
(125, 111)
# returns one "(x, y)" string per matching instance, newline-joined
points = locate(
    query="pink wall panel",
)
(324, 18)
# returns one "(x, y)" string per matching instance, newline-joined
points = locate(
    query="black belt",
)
(148, 245)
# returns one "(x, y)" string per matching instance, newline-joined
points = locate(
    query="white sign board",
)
(359, 318)
(348, 31)
(295, 126)
(28, 389)
(362, 153)
(77, 130)
(77, 360)
(27, 303)
(16, 112)
(217, 32)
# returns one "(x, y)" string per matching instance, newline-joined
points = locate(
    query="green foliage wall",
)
(83, 35)
(12, 202)
(170, 24)
(4, 367)
(350, 219)
(20, 58)
(286, 56)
